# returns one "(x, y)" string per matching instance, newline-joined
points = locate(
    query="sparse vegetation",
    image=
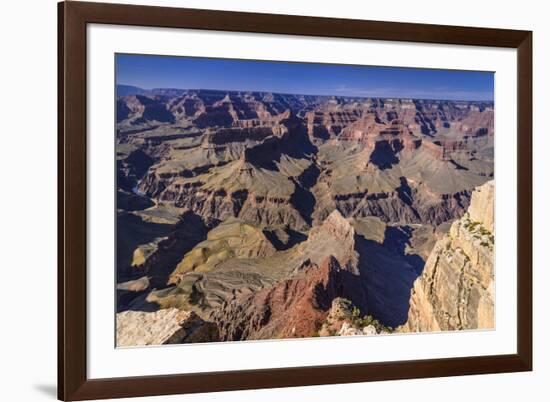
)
(361, 322)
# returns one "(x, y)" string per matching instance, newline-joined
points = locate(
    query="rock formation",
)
(166, 326)
(456, 289)
(344, 319)
(275, 159)
(253, 212)
(231, 239)
(295, 307)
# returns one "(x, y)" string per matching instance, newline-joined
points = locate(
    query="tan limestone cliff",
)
(456, 288)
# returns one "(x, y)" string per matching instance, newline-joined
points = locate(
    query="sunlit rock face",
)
(166, 326)
(456, 289)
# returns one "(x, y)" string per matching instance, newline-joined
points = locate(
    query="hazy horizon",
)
(179, 72)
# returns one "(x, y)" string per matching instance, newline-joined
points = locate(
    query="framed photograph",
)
(252, 200)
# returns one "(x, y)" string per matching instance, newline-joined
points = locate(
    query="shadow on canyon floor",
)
(388, 275)
(185, 235)
(292, 238)
(131, 232)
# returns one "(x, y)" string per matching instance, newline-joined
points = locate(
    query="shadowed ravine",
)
(388, 275)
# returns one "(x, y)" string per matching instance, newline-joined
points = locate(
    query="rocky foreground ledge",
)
(166, 326)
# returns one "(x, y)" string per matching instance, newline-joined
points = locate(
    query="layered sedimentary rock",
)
(167, 326)
(287, 159)
(254, 209)
(231, 239)
(456, 289)
(234, 278)
(294, 307)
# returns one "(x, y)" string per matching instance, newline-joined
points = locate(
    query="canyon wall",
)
(456, 288)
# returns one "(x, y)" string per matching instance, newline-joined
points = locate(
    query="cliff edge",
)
(456, 288)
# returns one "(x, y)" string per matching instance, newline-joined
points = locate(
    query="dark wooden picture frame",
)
(73, 383)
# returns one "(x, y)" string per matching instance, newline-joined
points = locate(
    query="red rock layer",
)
(295, 307)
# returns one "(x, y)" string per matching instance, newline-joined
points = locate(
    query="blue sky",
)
(149, 72)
